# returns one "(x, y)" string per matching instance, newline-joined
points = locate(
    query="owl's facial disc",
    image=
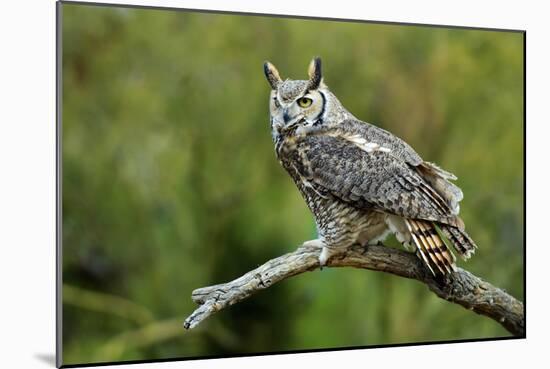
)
(303, 110)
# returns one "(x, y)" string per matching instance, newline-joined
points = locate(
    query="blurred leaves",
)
(170, 181)
(106, 303)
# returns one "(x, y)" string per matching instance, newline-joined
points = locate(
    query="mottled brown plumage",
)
(360, 181)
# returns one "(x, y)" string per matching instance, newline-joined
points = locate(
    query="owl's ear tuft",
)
(272, 75)
(314, 72)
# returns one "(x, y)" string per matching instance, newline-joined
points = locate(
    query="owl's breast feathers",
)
(368, 167)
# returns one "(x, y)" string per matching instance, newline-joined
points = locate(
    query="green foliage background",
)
(170, 180)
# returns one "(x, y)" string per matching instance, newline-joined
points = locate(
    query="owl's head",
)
(301, 106)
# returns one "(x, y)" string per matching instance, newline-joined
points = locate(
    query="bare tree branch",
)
(461, 287)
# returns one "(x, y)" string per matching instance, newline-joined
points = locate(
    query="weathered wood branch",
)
(461, 287)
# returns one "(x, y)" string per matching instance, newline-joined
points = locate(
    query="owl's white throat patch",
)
(304, 127)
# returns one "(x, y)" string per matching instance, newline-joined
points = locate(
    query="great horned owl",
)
(360, 181)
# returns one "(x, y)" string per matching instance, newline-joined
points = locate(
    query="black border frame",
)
(59, 193)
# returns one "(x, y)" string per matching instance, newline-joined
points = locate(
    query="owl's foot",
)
(328, 252)
(325, 251)
(314, 244)
(324, 256)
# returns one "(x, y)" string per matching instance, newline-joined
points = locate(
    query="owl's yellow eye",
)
(304, 102)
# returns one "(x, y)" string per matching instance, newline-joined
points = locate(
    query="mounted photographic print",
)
(237, 184)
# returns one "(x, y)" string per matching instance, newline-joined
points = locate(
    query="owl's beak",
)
(286, 117)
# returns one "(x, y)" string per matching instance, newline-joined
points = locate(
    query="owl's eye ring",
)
(304, 102)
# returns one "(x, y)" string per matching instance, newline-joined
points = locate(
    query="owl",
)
(361, 182)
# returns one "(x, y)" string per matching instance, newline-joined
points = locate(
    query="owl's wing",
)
(372, 133)
(369, 177)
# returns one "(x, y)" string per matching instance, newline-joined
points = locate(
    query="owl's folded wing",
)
(367, 175)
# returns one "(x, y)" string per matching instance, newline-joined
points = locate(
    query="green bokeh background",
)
(170, 181)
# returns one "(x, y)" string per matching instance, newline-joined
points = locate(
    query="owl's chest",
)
(291, 155)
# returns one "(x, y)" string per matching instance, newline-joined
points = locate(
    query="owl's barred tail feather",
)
(461, 241)
(430, 246)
